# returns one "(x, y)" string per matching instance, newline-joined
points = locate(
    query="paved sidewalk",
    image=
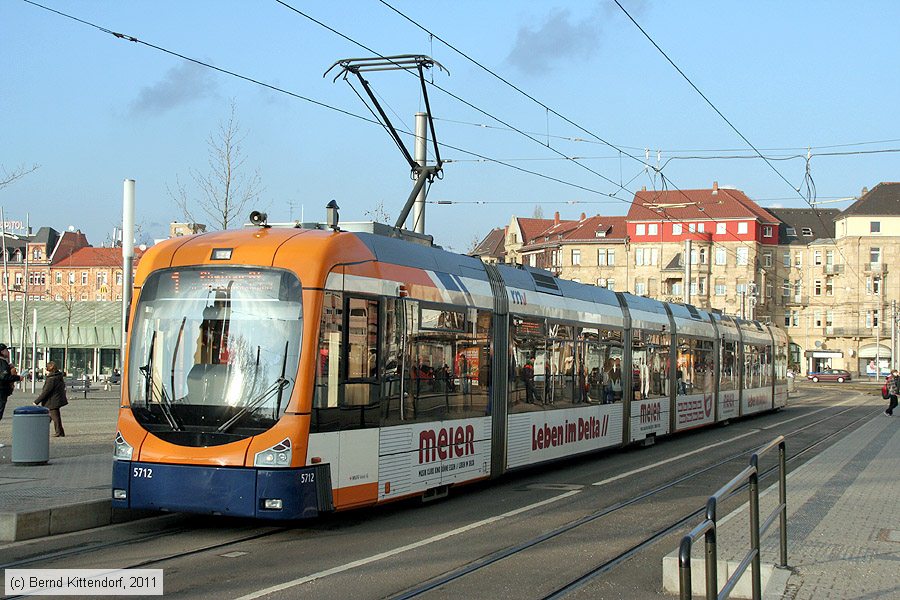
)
(71, 492)
(843, 524)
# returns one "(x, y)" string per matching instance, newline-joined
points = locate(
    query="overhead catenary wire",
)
(324, 105)
(807, 178)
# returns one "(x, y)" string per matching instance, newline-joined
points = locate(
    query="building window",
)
(817, 319)
(640, 288)
(653, 228)
(829, 318)
(640, 229)
(576, 258)
(532, 260)
(676, 229)
(720, 287)
(876, 285)
(817, 257)
(742, 227)
(702, 256)
(58, 277)
(638, 257)
(692, 227)
(18, 280)
(817, 287)
(119, 277)
(874, 226)
(829, 257)
(875, 255)
(769, 289)
(700, 227)
(611, 257)
(721, 256)
(601, 257)
(790, 232)
(555, 258)
(695, 256)
(786, 259)
(767, 231)
(740, 287)
(807, 232)
(721, 228)
(84, 277)
(71, 277)
(767, 259)
(611, 284)
(872, 318)
(676, 289)
(798, 259)
(743, 255)
(786, 288)
(601, 282)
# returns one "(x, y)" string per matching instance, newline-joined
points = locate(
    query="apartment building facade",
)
(823, 275)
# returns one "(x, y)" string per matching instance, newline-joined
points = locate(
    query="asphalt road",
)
(383, 552)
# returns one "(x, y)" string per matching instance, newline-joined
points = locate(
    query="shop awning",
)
(873, 350)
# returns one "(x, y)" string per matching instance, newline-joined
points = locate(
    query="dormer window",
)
(791, 232)
(601, 233)
(640, 229)
(807, 232)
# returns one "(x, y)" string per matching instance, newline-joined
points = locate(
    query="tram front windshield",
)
(214, 352)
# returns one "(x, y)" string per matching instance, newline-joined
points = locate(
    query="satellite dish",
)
(818, 344)
(70, 228)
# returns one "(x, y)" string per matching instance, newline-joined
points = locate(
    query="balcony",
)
(796, 300)
(862, 332)
(834, 269)
(875, 267)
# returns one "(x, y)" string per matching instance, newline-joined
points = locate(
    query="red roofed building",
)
(88, 274)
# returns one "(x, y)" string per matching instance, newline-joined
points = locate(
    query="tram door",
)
(358, 402)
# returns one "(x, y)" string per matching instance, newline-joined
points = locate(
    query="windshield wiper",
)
(254, 404)
(165, 404)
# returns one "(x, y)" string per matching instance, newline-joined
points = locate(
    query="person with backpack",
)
(893, 390)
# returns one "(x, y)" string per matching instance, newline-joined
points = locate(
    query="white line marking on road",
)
(401, 549)
(698, 450)
(673, 458)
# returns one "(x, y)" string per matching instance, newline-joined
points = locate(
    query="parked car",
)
(839, 375)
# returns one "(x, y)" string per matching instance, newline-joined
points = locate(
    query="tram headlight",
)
(120, 495)
(273, 504)
(123, 450)
(278, 455)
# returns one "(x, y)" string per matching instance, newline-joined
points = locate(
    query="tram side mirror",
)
(258, 218)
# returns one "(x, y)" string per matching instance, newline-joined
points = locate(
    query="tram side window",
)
(560, 380)
(730, 376)
(753, 376)
(650, 364)
(695, 367)
(445, 367)
(781, 362)
(527, 364)
(601, 352)
(765, 366)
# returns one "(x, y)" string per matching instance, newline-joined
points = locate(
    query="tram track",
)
(647, 541)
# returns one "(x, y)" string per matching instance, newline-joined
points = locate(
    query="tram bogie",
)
(314, 370)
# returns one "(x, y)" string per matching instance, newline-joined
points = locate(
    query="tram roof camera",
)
(259, 218)
(332, 215)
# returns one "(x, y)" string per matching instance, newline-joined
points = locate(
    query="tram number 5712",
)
(142, 472)
(307, 477)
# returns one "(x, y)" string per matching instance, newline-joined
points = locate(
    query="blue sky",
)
(93, 110)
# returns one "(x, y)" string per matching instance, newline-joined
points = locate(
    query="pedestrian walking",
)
(53, 396)
(8, 379)
(893, 386)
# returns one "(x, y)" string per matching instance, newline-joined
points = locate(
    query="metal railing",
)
(708, 529)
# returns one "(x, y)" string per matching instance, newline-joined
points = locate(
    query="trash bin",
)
(31, 435)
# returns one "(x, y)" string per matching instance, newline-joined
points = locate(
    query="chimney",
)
(643, 188)
(865, 191)
(556, 218)
(583, 216)
(715, 188)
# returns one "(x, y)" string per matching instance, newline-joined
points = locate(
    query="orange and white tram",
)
(282, 372)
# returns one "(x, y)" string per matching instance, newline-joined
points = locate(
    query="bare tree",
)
(7, 177)
(69, 304)
(538, 212)
(226, 190)
(379, 213)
